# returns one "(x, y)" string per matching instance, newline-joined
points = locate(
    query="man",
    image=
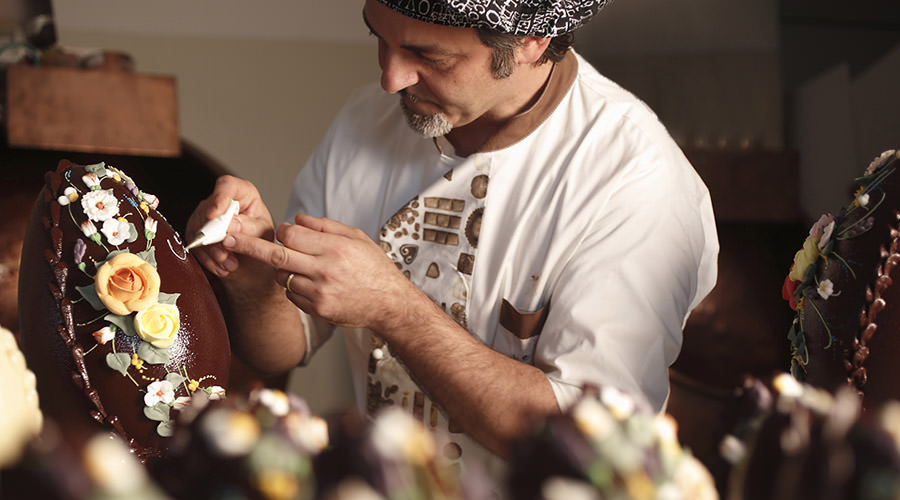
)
(533, 229)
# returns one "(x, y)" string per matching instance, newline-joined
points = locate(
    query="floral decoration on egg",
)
(128, 291)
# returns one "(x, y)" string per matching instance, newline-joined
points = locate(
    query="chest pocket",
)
(518, 332)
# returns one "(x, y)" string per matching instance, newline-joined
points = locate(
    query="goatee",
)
(428, 126)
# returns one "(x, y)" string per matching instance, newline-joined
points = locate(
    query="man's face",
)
(442, 73)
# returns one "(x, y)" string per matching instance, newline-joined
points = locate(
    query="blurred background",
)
(779, 104)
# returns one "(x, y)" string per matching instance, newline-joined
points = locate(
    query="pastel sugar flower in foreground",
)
(397, 436)
(127, 283)
(620, 404)
(593, 419)
(158, 324)
(276, 401)
(161, 391)
(115, 470)
(231, 433)
(100, 205)
(308, 431)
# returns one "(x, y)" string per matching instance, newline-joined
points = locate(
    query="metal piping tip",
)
(198, 241)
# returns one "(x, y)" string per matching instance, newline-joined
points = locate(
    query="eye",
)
(435, 62)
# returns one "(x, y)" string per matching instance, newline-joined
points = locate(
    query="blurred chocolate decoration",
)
(808, 443)
(740, 328)
(847, 327)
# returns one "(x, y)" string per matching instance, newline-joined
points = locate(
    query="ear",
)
(531, 49)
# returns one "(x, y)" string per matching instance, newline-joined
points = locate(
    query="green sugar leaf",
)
(90, 294)
(153, 355)
(125, 323)
(158, 412)
(168, 298)
(119, 361)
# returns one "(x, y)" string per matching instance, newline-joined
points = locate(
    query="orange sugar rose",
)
(127, 283)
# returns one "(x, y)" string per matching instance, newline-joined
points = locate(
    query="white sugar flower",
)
(69, 195)
(88, 228)
(159, 391)
(827, 231)
(216, 392)
(100, 205)
(151, 200)
(117, 231)
(104, 335)
(91, 180)
(151, 224)
(825, 288)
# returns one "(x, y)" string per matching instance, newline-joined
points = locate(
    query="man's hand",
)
(264, 327)
(253, 221)
(339, 273)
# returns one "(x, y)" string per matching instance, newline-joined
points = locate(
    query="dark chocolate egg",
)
(118, 321)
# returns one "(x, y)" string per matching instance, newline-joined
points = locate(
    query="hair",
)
(503, 46)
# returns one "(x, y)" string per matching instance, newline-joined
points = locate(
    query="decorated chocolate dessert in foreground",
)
(21, 418)
(118, 321)
(808, 443)
(847, 325)
(608, 445)
(259, 445)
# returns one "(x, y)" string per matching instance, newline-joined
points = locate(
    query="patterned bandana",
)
(544, 18)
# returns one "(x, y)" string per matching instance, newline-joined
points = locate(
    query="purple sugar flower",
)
(78, 250)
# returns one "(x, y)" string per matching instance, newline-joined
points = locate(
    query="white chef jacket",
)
(593, 215)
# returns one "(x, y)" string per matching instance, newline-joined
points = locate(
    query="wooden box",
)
(92, 110)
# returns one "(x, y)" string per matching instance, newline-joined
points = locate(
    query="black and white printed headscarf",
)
(544, 18)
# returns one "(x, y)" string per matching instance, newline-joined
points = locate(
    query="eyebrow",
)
(427, 49)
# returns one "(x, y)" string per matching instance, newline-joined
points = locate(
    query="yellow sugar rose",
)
(158, 324)
(803, 258)
(127, 283)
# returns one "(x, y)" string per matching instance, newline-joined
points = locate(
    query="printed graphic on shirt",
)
(433, 240)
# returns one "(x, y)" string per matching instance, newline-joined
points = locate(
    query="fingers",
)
(216, 259)
(297, 288)
(324, 225)
(314, 235)
(229, 188)
(253, 218)
(272, 254)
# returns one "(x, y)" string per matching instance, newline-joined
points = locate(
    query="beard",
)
(428, 126)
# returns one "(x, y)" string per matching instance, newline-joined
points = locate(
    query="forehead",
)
(397, 28)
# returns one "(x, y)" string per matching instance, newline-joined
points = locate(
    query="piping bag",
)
(215, 230)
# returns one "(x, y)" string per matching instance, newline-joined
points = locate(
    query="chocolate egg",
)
(118, 322)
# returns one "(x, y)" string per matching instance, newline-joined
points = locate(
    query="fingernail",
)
(230, 264)
(228, 242)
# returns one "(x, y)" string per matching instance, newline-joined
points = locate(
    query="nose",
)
(397, 72)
